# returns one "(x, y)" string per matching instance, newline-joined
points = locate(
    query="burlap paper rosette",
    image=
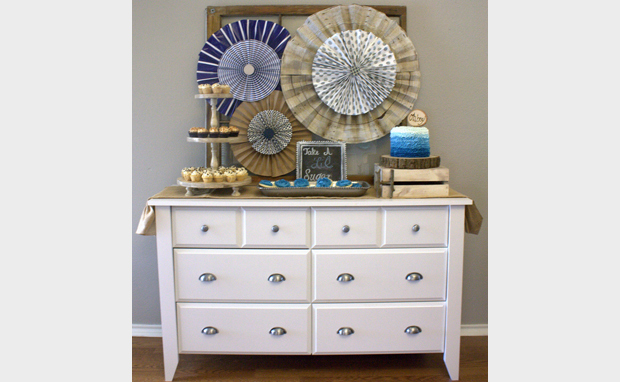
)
(347, 124)
(270, 134)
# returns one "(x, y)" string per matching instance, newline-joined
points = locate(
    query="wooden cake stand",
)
(202, 188)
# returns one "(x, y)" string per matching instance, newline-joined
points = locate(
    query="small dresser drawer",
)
(416, 226)
(276, 227)
(242, 275)
(206, 227)
(379, 274)
(378, 328)
(244, 328)
(346, 227)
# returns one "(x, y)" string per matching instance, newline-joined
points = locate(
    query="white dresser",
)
(310, 276)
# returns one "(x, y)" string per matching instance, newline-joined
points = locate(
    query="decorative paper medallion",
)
(251, 68)
(327, 118)
(246, 56)
(270, 134)
(353, 72)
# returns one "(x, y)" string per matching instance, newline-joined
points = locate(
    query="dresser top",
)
(251, 197)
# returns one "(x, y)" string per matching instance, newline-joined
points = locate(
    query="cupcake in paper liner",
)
(207, 177)
(242, 173)
(196, 176)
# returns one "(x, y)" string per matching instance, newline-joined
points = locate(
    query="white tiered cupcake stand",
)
(202, 188)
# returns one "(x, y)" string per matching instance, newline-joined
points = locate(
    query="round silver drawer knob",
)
(276, 278)
(204, 228)
(207, 277)
(346, 229)
(275, 228)
(210, 331)
(415, 228)
(414, 276)
(413, 330)
(345, 331)
(277, 331)
(345, 277)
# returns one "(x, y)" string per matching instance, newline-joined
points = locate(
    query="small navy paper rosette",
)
(246, 55)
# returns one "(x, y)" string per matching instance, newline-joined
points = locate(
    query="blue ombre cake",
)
(409, 142)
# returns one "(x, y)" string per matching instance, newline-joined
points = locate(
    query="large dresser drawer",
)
(416, 226)
(346, 227)
(379, 274)
(276, 228)
(242, 275)
(206, 227)
(378, 328)
(244, 328)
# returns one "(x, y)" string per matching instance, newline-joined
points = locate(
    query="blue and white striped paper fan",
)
(246, 56)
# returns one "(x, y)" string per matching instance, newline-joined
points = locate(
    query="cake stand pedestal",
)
(202, 188)
(215, 122)
(410, 163)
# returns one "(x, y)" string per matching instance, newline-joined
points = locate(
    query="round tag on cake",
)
(417, 118)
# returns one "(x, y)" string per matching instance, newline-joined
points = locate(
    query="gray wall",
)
(451, 40)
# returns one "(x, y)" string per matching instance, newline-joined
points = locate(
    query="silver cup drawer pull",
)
(204, 228)
(345, 331)
(414, 276)
(345, 278)
(276, 278)
(207, 277)
(413, 330)
(277, 331)
(210, 331)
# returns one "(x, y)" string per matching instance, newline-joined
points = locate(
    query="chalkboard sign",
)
(321, 159)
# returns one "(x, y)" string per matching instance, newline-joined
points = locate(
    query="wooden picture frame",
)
(214, 14)
(321, 159)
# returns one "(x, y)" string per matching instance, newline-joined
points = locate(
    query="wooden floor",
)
(148, 366)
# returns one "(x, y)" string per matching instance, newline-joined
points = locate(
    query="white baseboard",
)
(155, 330)
(145, 330)
(475, 330)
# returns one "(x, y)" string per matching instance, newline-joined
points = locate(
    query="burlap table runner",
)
(146, 225)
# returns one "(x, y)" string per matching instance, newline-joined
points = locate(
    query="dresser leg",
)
(456, 235)
(167, 301)
(170, 365)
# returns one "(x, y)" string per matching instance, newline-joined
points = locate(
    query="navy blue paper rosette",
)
(246, 55)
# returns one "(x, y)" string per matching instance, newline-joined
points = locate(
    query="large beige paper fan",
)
(301, 95)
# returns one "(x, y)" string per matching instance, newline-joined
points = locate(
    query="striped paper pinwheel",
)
(246, 56)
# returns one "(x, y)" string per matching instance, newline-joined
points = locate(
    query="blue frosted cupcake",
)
(301, 183)
(344, 183)
(356, 185)
(323, 182)
(283, 183)
(266, 184)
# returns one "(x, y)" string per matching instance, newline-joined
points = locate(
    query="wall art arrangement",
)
(349, 75)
